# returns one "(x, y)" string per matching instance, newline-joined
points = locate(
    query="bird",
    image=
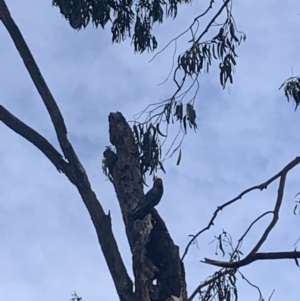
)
(150, 200)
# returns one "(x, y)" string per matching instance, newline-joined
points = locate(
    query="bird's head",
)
(157, 182)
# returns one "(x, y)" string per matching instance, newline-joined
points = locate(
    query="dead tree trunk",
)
(158, 270)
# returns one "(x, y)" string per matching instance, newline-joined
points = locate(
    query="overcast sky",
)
(247, 133)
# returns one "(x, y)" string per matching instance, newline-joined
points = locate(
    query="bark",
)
(158, 270)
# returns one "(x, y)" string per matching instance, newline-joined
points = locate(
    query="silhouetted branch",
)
(188, 29)
(252, 224)
(253, 257)
(34, 137)
(275, 214)
(253, 285)
(262, 186)
(39, 82)
(249, 228)
(268, 230)
(213, 20)
(73, 168)
(271, 295)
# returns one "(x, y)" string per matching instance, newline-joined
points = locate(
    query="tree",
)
(155, 264)
(190, 64)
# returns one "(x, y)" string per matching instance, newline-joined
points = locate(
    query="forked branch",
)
(39, 82)
(35, 138)
(254, 255)
(261, 186)
(72, 168)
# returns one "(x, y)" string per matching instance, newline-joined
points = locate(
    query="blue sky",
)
(247, 133)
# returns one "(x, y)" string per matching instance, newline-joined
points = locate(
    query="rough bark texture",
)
(159, 273)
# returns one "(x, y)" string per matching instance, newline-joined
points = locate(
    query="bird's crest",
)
(157, 181)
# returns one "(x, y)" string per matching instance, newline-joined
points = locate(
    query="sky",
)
(247, 133)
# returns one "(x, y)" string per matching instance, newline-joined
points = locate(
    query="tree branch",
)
(212, 20)
(102, 222)
(275, 214)
(251, 225)
(253, 285)
(249, 259)
(190, 28)
(262, 186)
(39, 82)
(34, 137)
(270, 226)
(74, 171)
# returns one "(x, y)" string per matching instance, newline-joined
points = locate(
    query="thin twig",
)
(185, 31)
(212, 20)
(249, 228)
(253, 285)
(271, 295)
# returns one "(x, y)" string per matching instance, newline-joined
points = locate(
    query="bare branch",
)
(249, 228)
(275, 214)
(253, 285)
(39, 82)
(271, 295)
(75, 171)
(253, 257)
(262, 186)
(101, 221)
(35, 138)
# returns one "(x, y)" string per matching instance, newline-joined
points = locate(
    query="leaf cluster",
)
(75, 297)
(123, 15)
(291, 89)
(147, 135)
(222, 47)
(147, 140)
(189, 117)
(139, 16)
(222, 289)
